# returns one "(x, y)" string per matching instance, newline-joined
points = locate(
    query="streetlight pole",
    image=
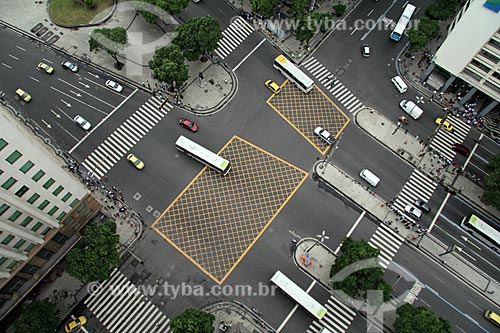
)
(321, 239)
(334, 146)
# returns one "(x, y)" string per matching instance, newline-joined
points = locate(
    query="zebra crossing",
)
(388, 242)
(418, 186)
(338, 317)
(118, 143)
(443, 140)
(334, 86)
(121, 307)
(233, 36)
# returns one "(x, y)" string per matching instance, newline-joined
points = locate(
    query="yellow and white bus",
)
(482, 230)
(293, 73)
(203, 155)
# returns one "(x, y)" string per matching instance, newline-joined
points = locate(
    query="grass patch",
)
(72, 13)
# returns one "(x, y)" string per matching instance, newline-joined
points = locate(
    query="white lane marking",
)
(14, 57)
(248, 55)
(20, 48)
(69, 96)
(6, 65)
(34, 79)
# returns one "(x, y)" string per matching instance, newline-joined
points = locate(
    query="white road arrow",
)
(85, 85)
(77, 94)
(46, 124)
(94, 75)
(67, 104)
(55, 113)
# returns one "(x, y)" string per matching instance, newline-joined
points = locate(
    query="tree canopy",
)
(96, 253)
(37, 316)
(298, 6)
(112, 40)
(412, 319)
(441, 9)
(427, 30)
(491, 194)
(168, 65)
(264, 7)
(198, 36)
(359, 282)
(193, 321)
(173, 7)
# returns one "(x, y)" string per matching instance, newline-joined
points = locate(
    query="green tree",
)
(418, 39)
(112, 40)
(339, 9)
(491, 195)
(198, 36)
(305, 29)
(37, 316)
(96, 253)
(441, 9)
(298, 6)
(264, 7)
(168, 65)
(429, 27)
(90, 4)
(418, 320)
(173, 7)
(193, 321)
(359, 282)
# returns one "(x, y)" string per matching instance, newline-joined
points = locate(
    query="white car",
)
(413, 211)
(113, 85)
(82, 122)
(324, 135)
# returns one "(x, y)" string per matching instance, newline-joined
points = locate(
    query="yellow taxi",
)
(78, 322)
(23, 95)
(135, 161)
(444, 124)
(46, 68)
(273, 86)
(493, 317)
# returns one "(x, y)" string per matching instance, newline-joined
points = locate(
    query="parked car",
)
(135, 161)
(273, 86)
(46, 68)
(324, 135)
(365, 50)
(461, 149)
(413, 211)
(444, 124)
(422, 205)
(23, 95)
(114, 86)
(82, 122)
(188, 124)
(77, 323)
(69, 66)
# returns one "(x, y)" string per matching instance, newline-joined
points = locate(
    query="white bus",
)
(486, 232)
(293, 73)
(203, 155)
(298, 295)
(403, 22)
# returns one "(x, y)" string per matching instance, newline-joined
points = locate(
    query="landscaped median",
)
(72, 13)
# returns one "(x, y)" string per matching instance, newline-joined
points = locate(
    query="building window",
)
(36, 226)
(58, 190)
(480, 66)
(494, 43)
(73, 204)
(1, 171)
(2, 260)
(13, 157)
(30, 269)
(489, 56)
(87, 213)
(29, 247)
(60, 238)
(33, 198)
(3, 144)
(79, 209)
(26, 221)
(66, 197)
(12, 264)
(7, 239)
(44, 253)
(48, 183)
(36, 177)
(26, 167)
(44, 204)
(3, 209)
(60, 216)
(53, 210)
(19, 243)
(22, 191)
(14, 216)
(68, 219)
(8, 183)
(45, 231)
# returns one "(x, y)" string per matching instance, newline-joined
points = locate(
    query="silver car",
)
(82, 122)
(324, 135)
(114, 86)
(413, 211)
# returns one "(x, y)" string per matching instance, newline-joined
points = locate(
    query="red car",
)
(461, 149)
(188, 124)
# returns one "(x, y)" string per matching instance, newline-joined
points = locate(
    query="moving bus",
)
(486, 232)
(403, 22)
(203, 155)
(298, 295)
(293, 73)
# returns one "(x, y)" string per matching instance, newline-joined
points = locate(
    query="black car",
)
(422, 205)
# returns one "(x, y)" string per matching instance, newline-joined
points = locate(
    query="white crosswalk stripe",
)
(443, 140)
(121, 307)
(338, 90)
(388, 242)
(233, 36)
(418, 186)
(131, 131)
(337, 319)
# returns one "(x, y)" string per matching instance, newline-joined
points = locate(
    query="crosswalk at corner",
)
(337, 319)
(418, 186)
(127, 135)
(121, 307)
(388, 242)
(443, 140)
(333, 85)
(233, 36)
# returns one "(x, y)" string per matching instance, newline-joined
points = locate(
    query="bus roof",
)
(289, 66)
(202, 152)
